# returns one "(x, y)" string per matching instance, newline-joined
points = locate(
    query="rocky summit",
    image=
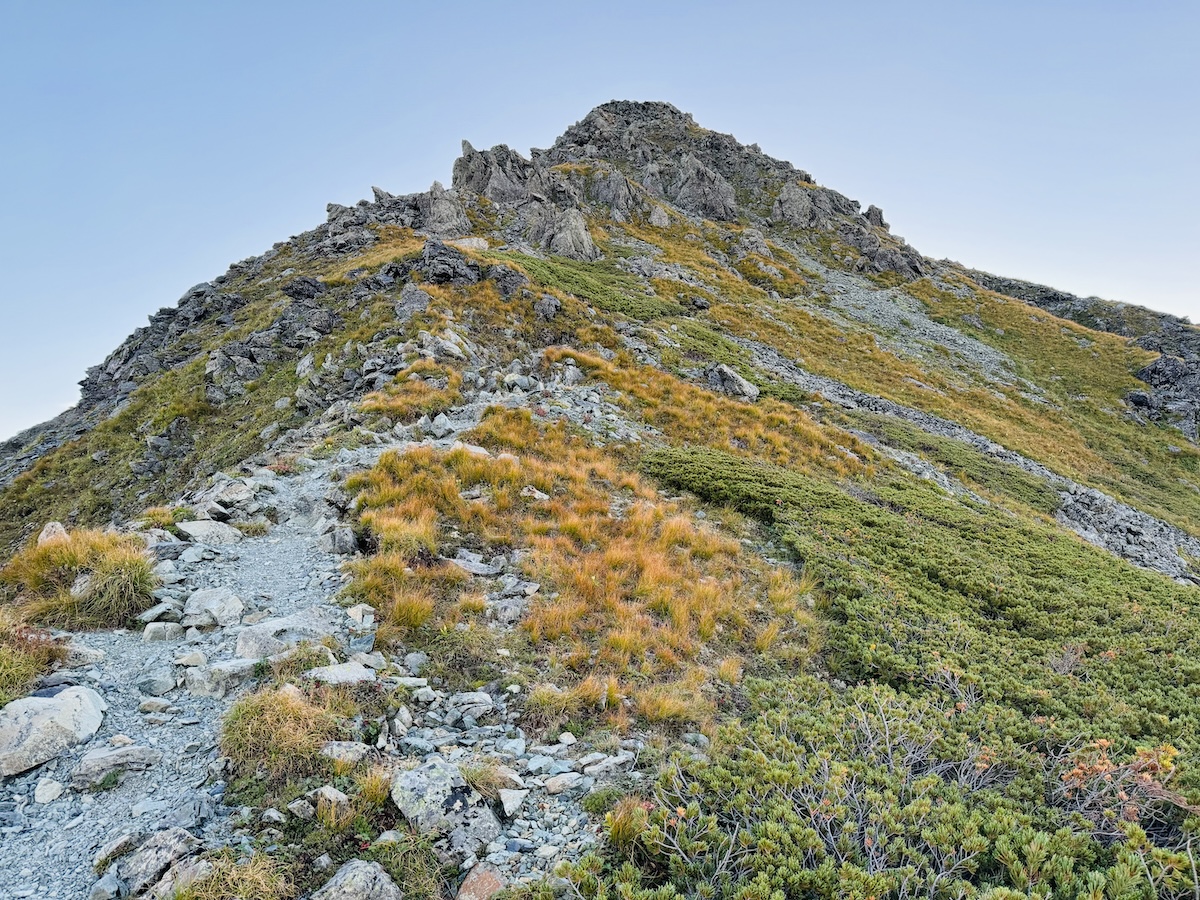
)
(634, 516)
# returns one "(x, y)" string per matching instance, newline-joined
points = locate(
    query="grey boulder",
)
(360, 880)
(205, 531)
(435, 798)
(145, 866)
(36, 729)
(213, 606)
(724, 379)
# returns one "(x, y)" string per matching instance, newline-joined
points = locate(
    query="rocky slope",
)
(915, 461)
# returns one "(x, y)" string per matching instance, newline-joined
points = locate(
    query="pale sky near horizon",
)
(145, 146)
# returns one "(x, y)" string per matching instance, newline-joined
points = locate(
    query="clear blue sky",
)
(145, 146)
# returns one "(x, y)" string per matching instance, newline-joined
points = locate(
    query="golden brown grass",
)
(257, 878)
(393, 243)
(626, 822)
(120, 586)
(768, 429)
(484, 776)
(163, 516)
(279, 731)
(415, 392)
(26, 654)
(635, 590)
(374, 788)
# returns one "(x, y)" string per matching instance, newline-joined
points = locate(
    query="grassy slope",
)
(993, 639)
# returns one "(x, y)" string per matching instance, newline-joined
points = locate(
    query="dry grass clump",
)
(548, 705)
(25, 654)
(485, 776)
(424, 388)
(118, 585)
(676, 704)
(374, 788)
(164, 517)
(626, 822)
(257, 878)
(634, 590)
(279, 731)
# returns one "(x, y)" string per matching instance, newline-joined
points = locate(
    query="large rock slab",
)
(273, 636)
(342, 673)
(434, 797)
(219, 678)
(205, 531)
(34, 730)
(360, 880)
(213, 606)
(145, 866)
(97, 764)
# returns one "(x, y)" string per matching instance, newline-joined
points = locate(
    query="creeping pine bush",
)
(867, 794)
(89, 579)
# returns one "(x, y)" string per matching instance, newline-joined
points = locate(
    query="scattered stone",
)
(217, 679)
(722, 378)
(162, 631)
(191, 659)
(165, 610)
(274, 636)
(302, 810)
(109, 887)
(54, 531)
(351, 752)
(155, 684)
(434, 797)
(511, 800)
(564, 782)
(475, 704)
(36, 729)
(117, 847)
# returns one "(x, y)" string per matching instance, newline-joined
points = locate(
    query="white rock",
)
(510, 801)
(194, 658)
(99, 763)
(564, 782)
(352, 752)
(54, 531)
(36, 729)
(162, 631)
(273, 636)
(48, 790)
